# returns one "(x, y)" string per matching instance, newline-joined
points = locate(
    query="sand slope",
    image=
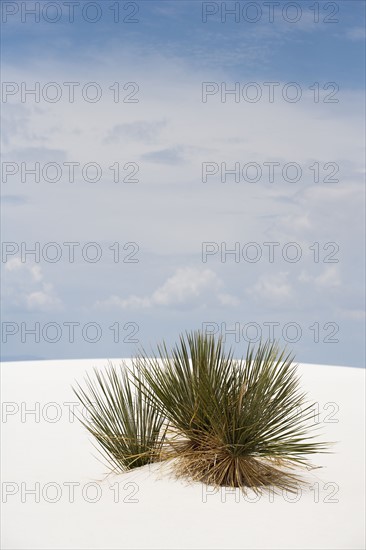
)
(50, 453)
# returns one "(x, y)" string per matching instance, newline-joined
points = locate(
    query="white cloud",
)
(26, 287)
(272, 289)
(170, 166)
(14, 264)
(188, 286)
(328, 279)
(354, 314)
(356, 33)
(43, 300)
(228, 300)
(139, 130)
(185, 284)
(170, 213)
(36, 273)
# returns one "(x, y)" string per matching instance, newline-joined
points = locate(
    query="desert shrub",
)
(126, 424)
(225, 422)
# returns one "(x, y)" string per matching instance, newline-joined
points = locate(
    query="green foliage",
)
(232, 417)
(128, 428)
(240, 423)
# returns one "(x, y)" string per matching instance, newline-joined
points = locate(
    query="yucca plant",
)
(237, 423)
(128, 427)
(225, 422)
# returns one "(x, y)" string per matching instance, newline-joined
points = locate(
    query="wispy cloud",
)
(136, 131)
(165, 156)
(273, 289)
(27, 288)
(356, 34)
(327, 280)
(169, 133)
(187, 287)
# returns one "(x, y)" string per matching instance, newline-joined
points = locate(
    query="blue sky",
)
(323, 50)
(163, 140)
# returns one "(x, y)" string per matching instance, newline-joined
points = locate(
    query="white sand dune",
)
(50, 453)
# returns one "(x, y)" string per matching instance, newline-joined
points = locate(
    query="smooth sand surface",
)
(55, 493)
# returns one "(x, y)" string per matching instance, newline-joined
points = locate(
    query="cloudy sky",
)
(175, 166)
